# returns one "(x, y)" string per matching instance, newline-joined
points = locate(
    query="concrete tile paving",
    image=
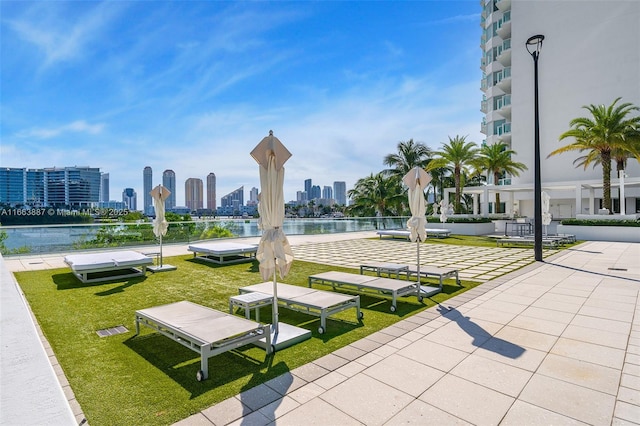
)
(562, 347)
(536, 351)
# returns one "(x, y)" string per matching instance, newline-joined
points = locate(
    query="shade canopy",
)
(417, 179)
(159, 195)
(274, 252)
(270, 146)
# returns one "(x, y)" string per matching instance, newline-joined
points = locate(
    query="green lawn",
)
(150, 379)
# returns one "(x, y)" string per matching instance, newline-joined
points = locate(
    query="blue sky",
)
(193, 86)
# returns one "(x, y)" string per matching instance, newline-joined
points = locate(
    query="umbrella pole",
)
(275, 302)
(161, 249)
(418, 267)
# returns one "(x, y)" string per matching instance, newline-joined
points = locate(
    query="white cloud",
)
(62, 40)
(79, 126)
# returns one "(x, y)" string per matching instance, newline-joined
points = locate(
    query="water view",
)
(63, 238)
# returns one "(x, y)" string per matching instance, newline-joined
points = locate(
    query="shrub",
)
(436, 219)
(600, 222)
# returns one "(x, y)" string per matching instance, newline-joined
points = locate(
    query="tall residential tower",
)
(169, 182)
(211, 191)
(590, 55)
(193, 192)
(147, 185)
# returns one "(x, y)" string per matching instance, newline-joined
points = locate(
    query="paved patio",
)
(551, 343)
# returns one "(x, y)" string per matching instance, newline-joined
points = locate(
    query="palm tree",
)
(376, 195)
(410, 154)
(607, 134)
(459, 155)
(496, 159)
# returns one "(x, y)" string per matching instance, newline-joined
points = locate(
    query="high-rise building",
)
(307, 187)
(169, 182)
(147, 185)
(129, 199)
(104, 187)
(590, 55)
(233, 199)
(253, 197)
(340, 192)
(327, 192)
(315, 192)
(72, 187)
(12, 186)
(211, 191)
(193, 193)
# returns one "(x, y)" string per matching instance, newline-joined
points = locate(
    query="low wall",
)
(602, 233)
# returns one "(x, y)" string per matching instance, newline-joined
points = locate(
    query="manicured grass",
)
(150, 379)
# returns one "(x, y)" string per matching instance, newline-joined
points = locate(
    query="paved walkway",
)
(555, 342)
(552, 343)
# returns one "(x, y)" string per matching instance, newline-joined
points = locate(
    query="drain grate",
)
(617, 269)
(112, 331)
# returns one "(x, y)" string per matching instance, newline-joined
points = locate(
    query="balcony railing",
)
(503, 101)
(506, 45)
(503, 129)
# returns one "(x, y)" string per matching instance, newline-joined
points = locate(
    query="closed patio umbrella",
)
(546, 215)
(417, 180)
(159, 194)
(274, 252)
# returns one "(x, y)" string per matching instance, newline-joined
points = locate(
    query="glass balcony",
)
(501, 128)
(503, 28)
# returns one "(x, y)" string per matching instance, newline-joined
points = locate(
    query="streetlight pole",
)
(534, 44)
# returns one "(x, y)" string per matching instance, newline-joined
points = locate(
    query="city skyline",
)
(145, 83)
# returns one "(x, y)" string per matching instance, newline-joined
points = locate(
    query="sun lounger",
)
(526, 241)
(224, 253)
(367, 284)
(398, 269)
(402, 233)
(394, 233)
(309, 301)
(204, 330)
(433, 271)
(426, 271)
(107, 266)
(438, 232)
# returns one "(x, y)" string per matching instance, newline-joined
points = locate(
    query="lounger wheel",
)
(420, 299)
(393, 308)
(200, 375)
(321, 330)
(273, 349)
(361, 315)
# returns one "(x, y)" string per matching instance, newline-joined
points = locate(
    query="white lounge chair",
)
(204, 330)
(108, 266)
(309, 301)
(224, 252)
(367, 284)
(405, 234)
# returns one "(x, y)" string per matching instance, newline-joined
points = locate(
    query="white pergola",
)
(582, 193)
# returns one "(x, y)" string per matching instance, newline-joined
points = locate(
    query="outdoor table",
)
(248, 301)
